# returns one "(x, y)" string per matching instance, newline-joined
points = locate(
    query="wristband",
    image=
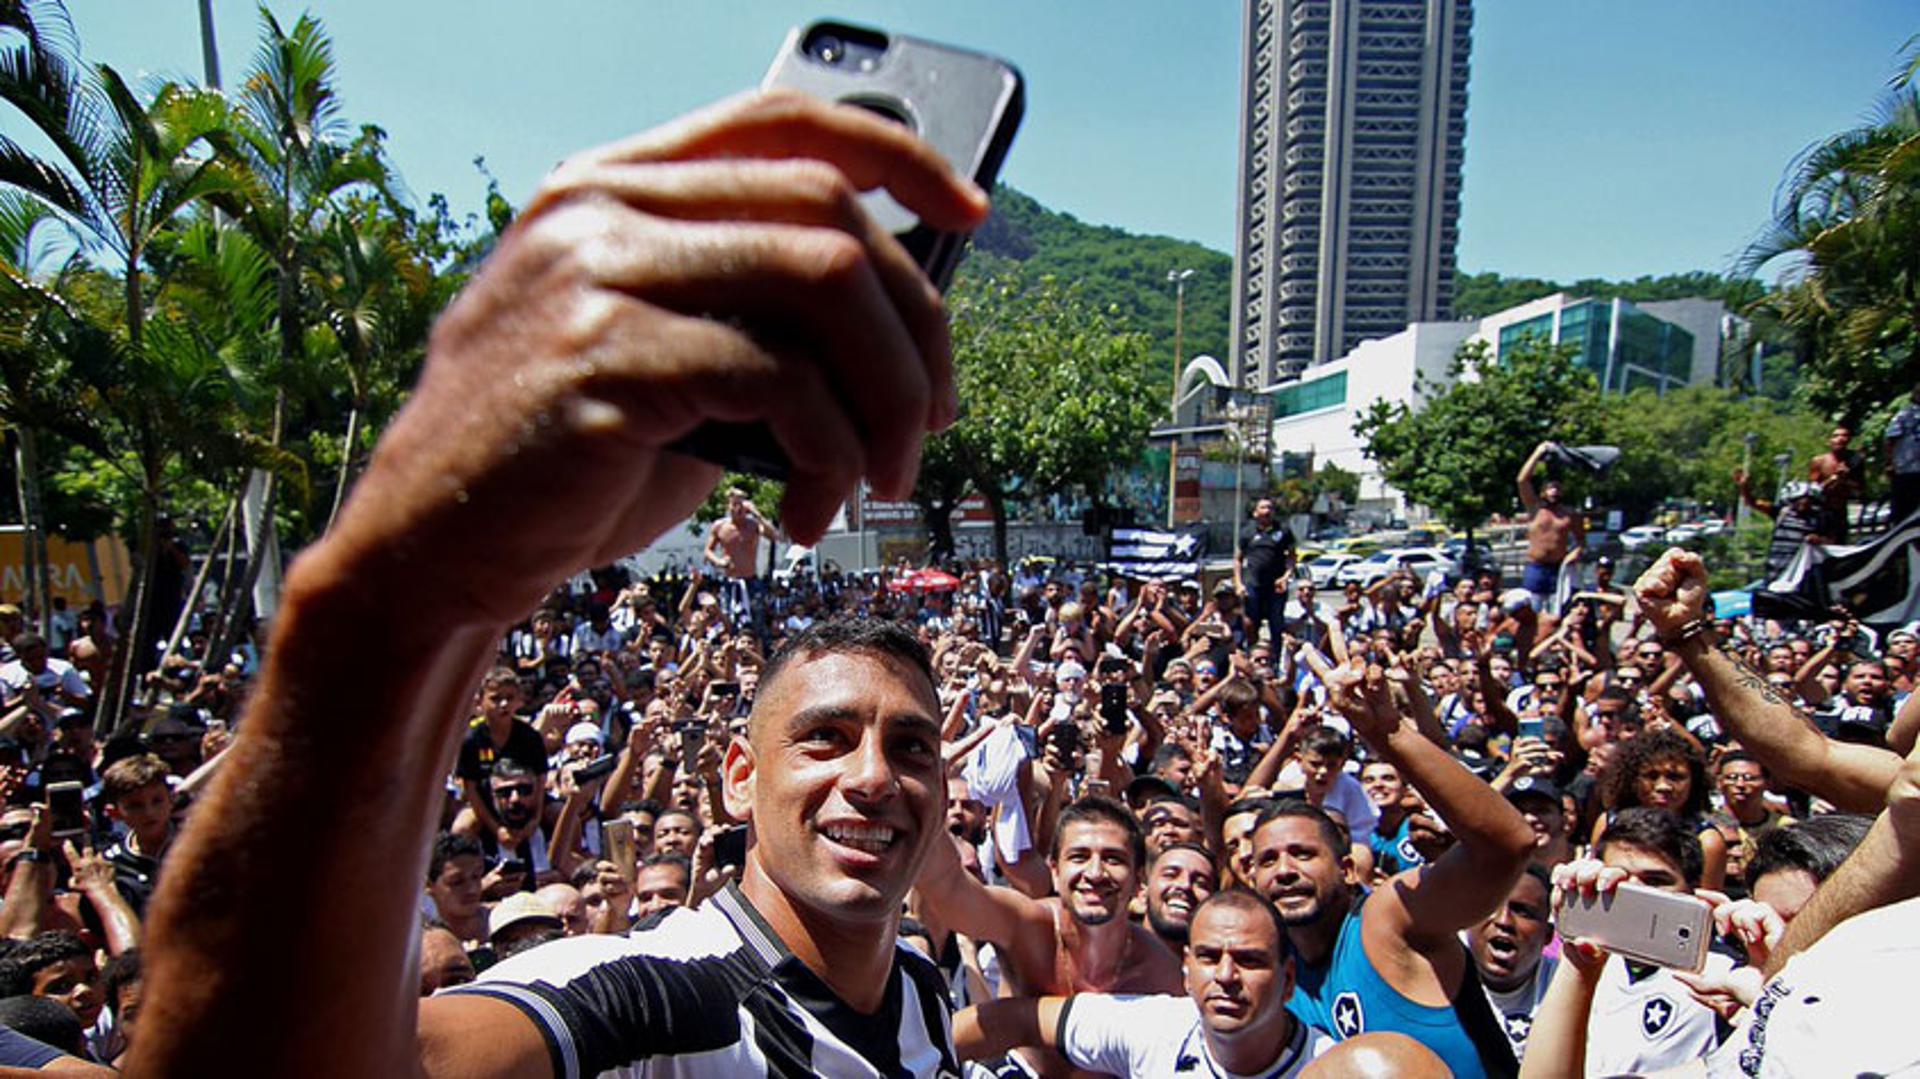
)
(1699, 627)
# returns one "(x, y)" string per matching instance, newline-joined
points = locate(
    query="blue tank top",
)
(1346, 997)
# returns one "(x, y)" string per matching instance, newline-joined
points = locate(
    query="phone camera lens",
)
(829, 49)
(1686, 932)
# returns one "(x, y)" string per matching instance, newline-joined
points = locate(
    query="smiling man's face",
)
(841, 780)
(1094, 873)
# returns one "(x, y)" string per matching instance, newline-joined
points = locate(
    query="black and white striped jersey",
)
(714, 992)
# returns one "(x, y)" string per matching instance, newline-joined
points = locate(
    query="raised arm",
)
(1529, 498)
(1427, 907)
(605, 326)
(1855, 778)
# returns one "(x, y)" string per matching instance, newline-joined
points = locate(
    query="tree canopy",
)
(1458, 454)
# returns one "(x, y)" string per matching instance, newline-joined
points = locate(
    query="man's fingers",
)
(795, 192)
(872, 151)
(809, 290)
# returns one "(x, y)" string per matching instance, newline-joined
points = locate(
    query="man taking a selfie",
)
(717, 268)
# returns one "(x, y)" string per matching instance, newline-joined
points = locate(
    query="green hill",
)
(1115, 268)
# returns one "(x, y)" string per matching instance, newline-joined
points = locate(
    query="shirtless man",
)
(1836, 473)
(1556, 534)
(733, 545)
(1077, 941)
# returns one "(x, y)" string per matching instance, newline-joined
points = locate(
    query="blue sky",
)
(1605, 138)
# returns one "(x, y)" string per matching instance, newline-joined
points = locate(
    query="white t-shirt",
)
(1514, 1008)
(58, 675)
(1160, 1036)
(1648, 1024)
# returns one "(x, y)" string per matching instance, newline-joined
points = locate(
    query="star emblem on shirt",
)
(1518, 1025)
(1348, 1017)
(1655, 1016)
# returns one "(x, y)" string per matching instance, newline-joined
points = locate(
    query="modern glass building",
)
(1623, 346)
(1353, 122)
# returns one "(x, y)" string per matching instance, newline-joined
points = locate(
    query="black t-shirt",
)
(477, 752)
(1264, 554)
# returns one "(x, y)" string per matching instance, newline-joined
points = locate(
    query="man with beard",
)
(1392, 960)
(1233, 1020)
(1179, 879)
(1556, 533)
(1077, 940)
(1506, 950)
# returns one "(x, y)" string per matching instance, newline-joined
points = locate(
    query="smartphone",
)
(967, 105)
(1653, 926)
(512, 867)
(621, 848)
(67, 805)
(1533, 728)
(730, 847)
(598, 768)
(1113, 708)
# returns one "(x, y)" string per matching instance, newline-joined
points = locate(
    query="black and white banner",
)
(1152, 555)
(1878, 582)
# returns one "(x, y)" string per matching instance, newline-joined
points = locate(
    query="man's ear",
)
(736, 772)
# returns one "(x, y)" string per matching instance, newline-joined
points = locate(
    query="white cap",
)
(516, 908)
(585, 732)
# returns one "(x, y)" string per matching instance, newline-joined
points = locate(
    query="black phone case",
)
(920, 82)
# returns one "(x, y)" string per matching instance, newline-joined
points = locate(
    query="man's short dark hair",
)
(1168, 753)
(1657, 832)
(46, 1021)
(35, 954)
(450, 845)
(128, 775)
(1237, 696)
(1098, 810)
(678, 861)
(1186, 845)
(1327, 742)
(512, 768)
(1241, 897)
(852, 633)
(1332, 831)
(1817, 845)
(121, 971)
(28, 641)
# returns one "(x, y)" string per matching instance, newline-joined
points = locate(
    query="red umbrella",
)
(932, 580)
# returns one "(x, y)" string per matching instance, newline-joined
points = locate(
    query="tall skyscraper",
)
(1353, 118)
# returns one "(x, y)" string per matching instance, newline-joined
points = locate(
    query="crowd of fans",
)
(1313, 817)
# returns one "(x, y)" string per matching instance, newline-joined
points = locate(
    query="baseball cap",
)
(517, 909)
(1533, 787)
(1148, 786)
(585, 732)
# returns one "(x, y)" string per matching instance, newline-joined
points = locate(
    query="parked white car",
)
(1323, 569)
(1642, 535)
(1683, 533)
(1420, 560)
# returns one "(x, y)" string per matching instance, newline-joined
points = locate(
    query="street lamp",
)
(1179, 279)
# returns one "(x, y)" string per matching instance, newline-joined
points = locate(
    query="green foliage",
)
(765, 494)
(1459, 454)
(1688, 443)
(1477, 295)
(1054, 394)
(1114, 268)
(1849, 216)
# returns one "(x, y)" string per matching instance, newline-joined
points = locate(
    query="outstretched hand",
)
(719, 268)
(1360, 692)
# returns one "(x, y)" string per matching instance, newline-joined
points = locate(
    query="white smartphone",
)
(1654, 926)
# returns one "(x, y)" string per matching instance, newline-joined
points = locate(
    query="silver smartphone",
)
(965, 104)
(1654, 926)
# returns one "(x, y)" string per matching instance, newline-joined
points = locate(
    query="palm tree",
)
(121, 173)
(288, 149)
(1849, 212)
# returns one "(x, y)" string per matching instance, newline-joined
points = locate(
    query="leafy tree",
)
(1849, 212)
(1458, 454)
(1054, 397)
(1688, 443)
